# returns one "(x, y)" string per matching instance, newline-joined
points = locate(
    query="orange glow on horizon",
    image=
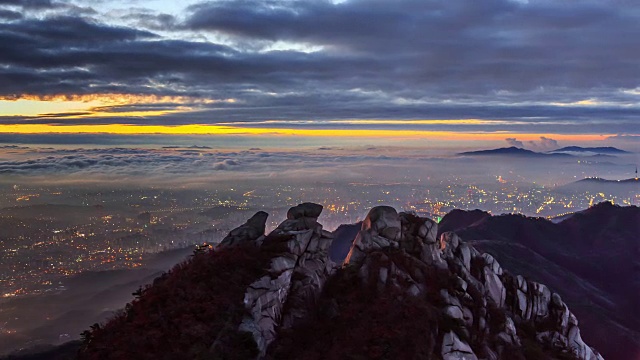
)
(393, 122)
(96, 105)
(197, 129)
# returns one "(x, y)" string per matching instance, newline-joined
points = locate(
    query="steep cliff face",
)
(402, 293)
(590, 257)
(295, 276)
(478, 288)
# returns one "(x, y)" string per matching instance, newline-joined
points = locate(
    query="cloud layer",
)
(204, 167)
(540, 64)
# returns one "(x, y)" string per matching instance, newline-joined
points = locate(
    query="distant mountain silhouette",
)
(605, 181)
(623, 188)
(459, 219)
(342, 239)
(513, 151)
(569, 151)
(599, 150)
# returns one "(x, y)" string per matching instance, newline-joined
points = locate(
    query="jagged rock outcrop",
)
(590, 258)
(294, 280)
(402, 292)
(485, 300)
(455, 349)
(380, 229)
(250, 232)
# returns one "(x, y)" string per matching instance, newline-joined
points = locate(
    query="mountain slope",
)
(342, 239)
(402, 292)
(183, 312)
(513, 151)
(591, 258)
(597, 150)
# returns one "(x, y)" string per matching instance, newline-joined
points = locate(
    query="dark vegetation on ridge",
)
(184, 312)
(409, 289)
(196, 307)
(353, 321)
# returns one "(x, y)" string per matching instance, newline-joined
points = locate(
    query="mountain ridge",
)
(607, 181)
(594, 252)
(565, 152)
(402, 278)
(599, 150)
(514, 151)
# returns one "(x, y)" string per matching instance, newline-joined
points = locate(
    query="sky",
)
(536, 74)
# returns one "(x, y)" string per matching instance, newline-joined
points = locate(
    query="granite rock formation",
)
(480, 285)
(299, 267)
(589, 257)
(250, 232)
(402, 292)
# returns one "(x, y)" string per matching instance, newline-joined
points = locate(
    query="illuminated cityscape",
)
(135, 133)
(120, 229)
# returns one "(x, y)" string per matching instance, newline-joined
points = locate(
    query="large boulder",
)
(380, 218)
(309, 210)
(250, 232)
(455, 349)
(381, 228)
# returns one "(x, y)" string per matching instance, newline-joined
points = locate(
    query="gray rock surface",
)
(455, 349)
(251, 231)
(298, 270)
(400, 251)
(479, 281)
(309, 210)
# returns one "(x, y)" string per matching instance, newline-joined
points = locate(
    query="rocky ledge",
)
(297, 272)
(403, 292)
(476, 289)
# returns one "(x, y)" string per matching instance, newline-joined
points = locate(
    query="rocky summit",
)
(403, 292)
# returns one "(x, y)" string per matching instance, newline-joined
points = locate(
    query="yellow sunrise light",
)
(94, 105)
(203, 129)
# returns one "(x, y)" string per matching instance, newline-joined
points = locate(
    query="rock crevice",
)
(487, 301)
(484, 308)
(298, 270)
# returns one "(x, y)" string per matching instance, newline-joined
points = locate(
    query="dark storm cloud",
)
(29, 4)
(10, 15)
(279, 114)
(495, 59)
(462, 46)
(63, 32)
